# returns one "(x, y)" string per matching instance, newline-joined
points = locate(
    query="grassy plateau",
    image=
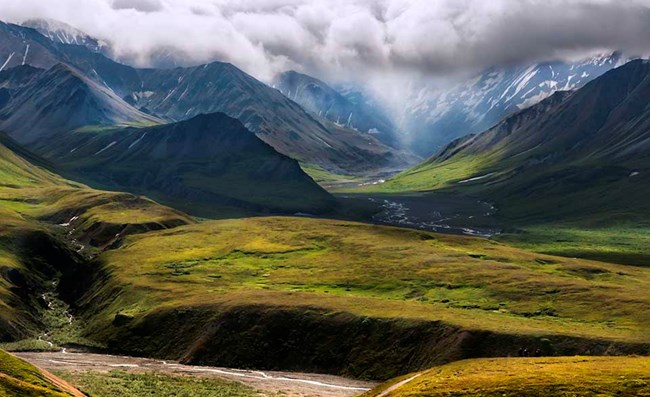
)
(364, 269)
(362, 300)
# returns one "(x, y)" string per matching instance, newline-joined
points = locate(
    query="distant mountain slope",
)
(606, 121)
(185, 92)
(584, 153)
(182, 93)
(436, 117)
(25, 46)
(201, 165)
(61, 99)
(322, 100)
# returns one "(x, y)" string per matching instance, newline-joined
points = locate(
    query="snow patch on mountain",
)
(435, 117)
(61, 32)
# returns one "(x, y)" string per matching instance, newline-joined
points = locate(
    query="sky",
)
(342, 40)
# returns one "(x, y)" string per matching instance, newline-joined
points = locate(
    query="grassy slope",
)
(119, 383)
(428, 176)
(18, 378)
(463, 280)
(527, 377)
(624, 243)
(306, 264)
(324, 177)
(372, 272)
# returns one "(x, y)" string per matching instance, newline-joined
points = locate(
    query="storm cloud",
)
(340, 39)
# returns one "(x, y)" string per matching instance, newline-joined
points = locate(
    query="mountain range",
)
(434, 117)
(207, 163)
(338, 129)
(583, 153)
(182, 93)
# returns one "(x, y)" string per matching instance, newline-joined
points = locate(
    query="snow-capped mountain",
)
(61, 32)
(435, 117)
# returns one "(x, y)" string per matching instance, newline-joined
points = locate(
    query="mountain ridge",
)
(325, 101)
(590, 145)
(60, 99)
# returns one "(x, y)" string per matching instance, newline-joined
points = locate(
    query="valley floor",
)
(82, 369)
(596, 238)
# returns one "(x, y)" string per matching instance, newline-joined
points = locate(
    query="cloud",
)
(353, 39)
(139, 5)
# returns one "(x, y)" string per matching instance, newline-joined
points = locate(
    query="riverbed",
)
(442, 213)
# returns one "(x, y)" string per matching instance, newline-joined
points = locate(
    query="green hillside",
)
(49, 226)
(18, 378)
(526, 377)
(351, 298)
(291, 293)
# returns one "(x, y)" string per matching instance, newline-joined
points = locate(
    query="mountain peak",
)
(61, 32)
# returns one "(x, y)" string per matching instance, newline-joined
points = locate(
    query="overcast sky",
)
(346, 38)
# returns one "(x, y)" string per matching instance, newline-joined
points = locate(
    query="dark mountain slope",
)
(575, 154)
(200, 165)
(319, 98)
(58, 100)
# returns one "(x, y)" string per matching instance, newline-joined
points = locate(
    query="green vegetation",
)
(120, 383)
(526, 377)
(620, 244)
(30, 345)
(373, 271)
(365, 284)
(328, 180)
(36, 209)
(384, 292)
(582, 213)
(427, 176)
(18, 378)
